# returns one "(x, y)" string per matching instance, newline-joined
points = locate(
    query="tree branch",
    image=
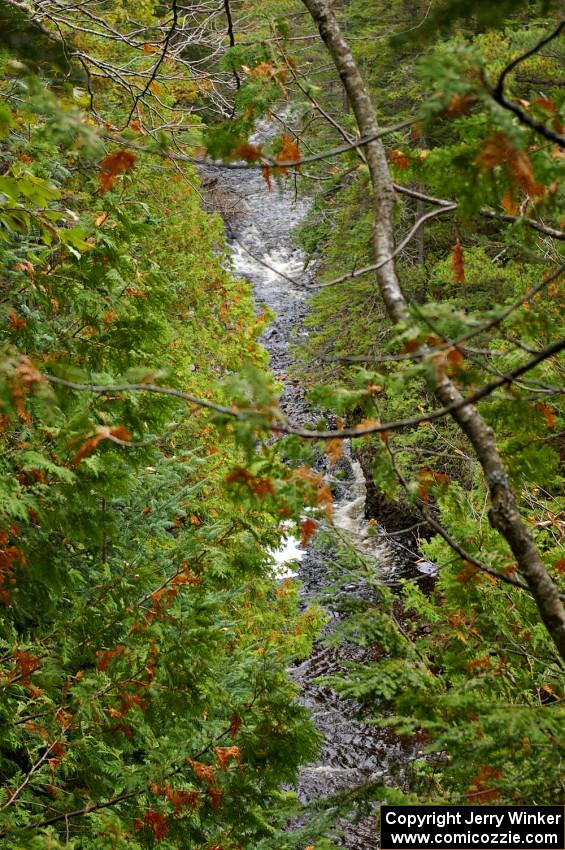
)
(504, 514)
(283, 428)
(498, 91)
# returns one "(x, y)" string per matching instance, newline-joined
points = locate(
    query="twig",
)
(400, 247)
(282, 428)
(498, 91)
(159, 62)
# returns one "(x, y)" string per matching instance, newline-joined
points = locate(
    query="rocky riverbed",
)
(260, 224)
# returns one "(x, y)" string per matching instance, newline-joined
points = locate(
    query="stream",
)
(260, 224)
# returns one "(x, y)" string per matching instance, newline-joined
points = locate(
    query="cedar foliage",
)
(143, 638)
(144, 641)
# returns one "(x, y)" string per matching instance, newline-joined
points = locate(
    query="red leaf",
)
(399, 160)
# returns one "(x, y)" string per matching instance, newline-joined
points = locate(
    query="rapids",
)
(260, 224)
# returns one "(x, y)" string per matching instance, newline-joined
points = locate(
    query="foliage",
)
(144, 639)
(463, 668)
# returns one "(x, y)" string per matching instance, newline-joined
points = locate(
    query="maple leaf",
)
(226, 754)
(266, 172)
(248, 152)
(334, 449)
(235, 725)
(548, 413)
(307, 530)
(458, 262)
(460, 104)
(114, 164)
(202, 771)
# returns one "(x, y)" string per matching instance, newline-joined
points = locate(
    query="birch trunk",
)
(504, 514)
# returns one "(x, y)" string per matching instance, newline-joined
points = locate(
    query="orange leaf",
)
(460, 104)
(334, 449)
(215, 795)
(399, 159)
(226, 754)
(235, 725)
(248, 152)
(307, 530)
(548, 413)
(205, 772)
(157, 823)
(266, 172)
(103, 432)
(112, 165)
(16, 322)
(498, 150)
(25, 266)
(289, 151)
(511, 206)
(457, 262)
(547, 104)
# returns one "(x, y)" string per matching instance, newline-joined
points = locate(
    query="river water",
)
(260, 224)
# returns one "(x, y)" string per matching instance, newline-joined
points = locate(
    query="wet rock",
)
(353, 751)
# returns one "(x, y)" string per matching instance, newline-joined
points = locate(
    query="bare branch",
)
(498, 91)
(400, 247)
(158, 64)
(283, 428)
(504, 513)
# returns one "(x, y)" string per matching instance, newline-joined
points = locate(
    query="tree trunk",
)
(504, 514)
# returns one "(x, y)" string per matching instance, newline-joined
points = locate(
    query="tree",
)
(95, 407)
